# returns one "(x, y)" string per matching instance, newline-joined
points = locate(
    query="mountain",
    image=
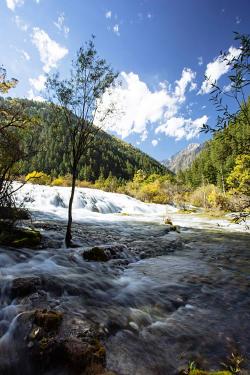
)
(107, 155)
(184, 158)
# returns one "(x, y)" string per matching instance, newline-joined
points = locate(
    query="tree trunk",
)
(68, 237)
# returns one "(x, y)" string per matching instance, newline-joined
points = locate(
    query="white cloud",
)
(138, 106)
(60, 25)
(32, 96)
(50, 51)
(116, 30)
(144, 136)
(200, 60)
(108, 14)
(154, 142)
(217, 68)
(21, 24)
(179, 127)
(193, 86)
(237, 20)
(38, 83)
(187, 78)
(149, 16)
(227, 88)
(11, 4)
(25, 55)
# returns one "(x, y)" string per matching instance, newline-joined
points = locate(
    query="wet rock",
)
(58, 201)
(48, 320)
(140, 317)
(19, 237)
(59, 343)
(23, 286)
(172, 228)
(104, 253)
(80, 354)
(52, 285)
(134, 326)
(168, 221)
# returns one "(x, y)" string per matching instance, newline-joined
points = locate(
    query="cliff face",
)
(184, 158)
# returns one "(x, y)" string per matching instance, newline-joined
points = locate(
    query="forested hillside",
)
(107, 155)
(227, 149)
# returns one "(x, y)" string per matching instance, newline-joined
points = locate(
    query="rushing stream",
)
(167, 299)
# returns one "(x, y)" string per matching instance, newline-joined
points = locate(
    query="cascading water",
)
(87, 201)
(167, 299)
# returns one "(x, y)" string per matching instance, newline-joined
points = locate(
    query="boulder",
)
(48, 320)
(19, 237)
(104, 253)
(59, 343)
(23, 286)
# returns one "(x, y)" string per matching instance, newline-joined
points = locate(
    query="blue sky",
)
(162, 48)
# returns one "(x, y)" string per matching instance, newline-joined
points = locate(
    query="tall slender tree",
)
(78, 99)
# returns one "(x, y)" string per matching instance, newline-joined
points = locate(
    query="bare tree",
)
(77, 100)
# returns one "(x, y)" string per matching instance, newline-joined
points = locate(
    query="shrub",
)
(38, 178)
(84, 183)
(59, 181)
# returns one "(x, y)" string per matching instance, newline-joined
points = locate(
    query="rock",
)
(171, 227)
(141, 318)
(103, 253)
(19, 237)
(134, 326)
(58, 343)
(81, 354)
(48, 320)
(168, 221)
(23, 286)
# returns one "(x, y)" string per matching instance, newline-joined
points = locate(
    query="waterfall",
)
(87, 202)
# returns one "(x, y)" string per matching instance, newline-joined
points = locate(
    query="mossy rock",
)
(168, 221)
(104, 253)
(48, 320)
(96, 254)
(19, 237)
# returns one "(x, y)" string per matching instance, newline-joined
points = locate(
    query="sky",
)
(162, 50)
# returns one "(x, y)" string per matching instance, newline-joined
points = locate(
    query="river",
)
(168, 299)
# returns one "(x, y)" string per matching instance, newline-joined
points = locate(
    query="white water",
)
(89, 203)
(48, 202)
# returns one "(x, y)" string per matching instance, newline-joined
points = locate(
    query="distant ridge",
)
(184, 158)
